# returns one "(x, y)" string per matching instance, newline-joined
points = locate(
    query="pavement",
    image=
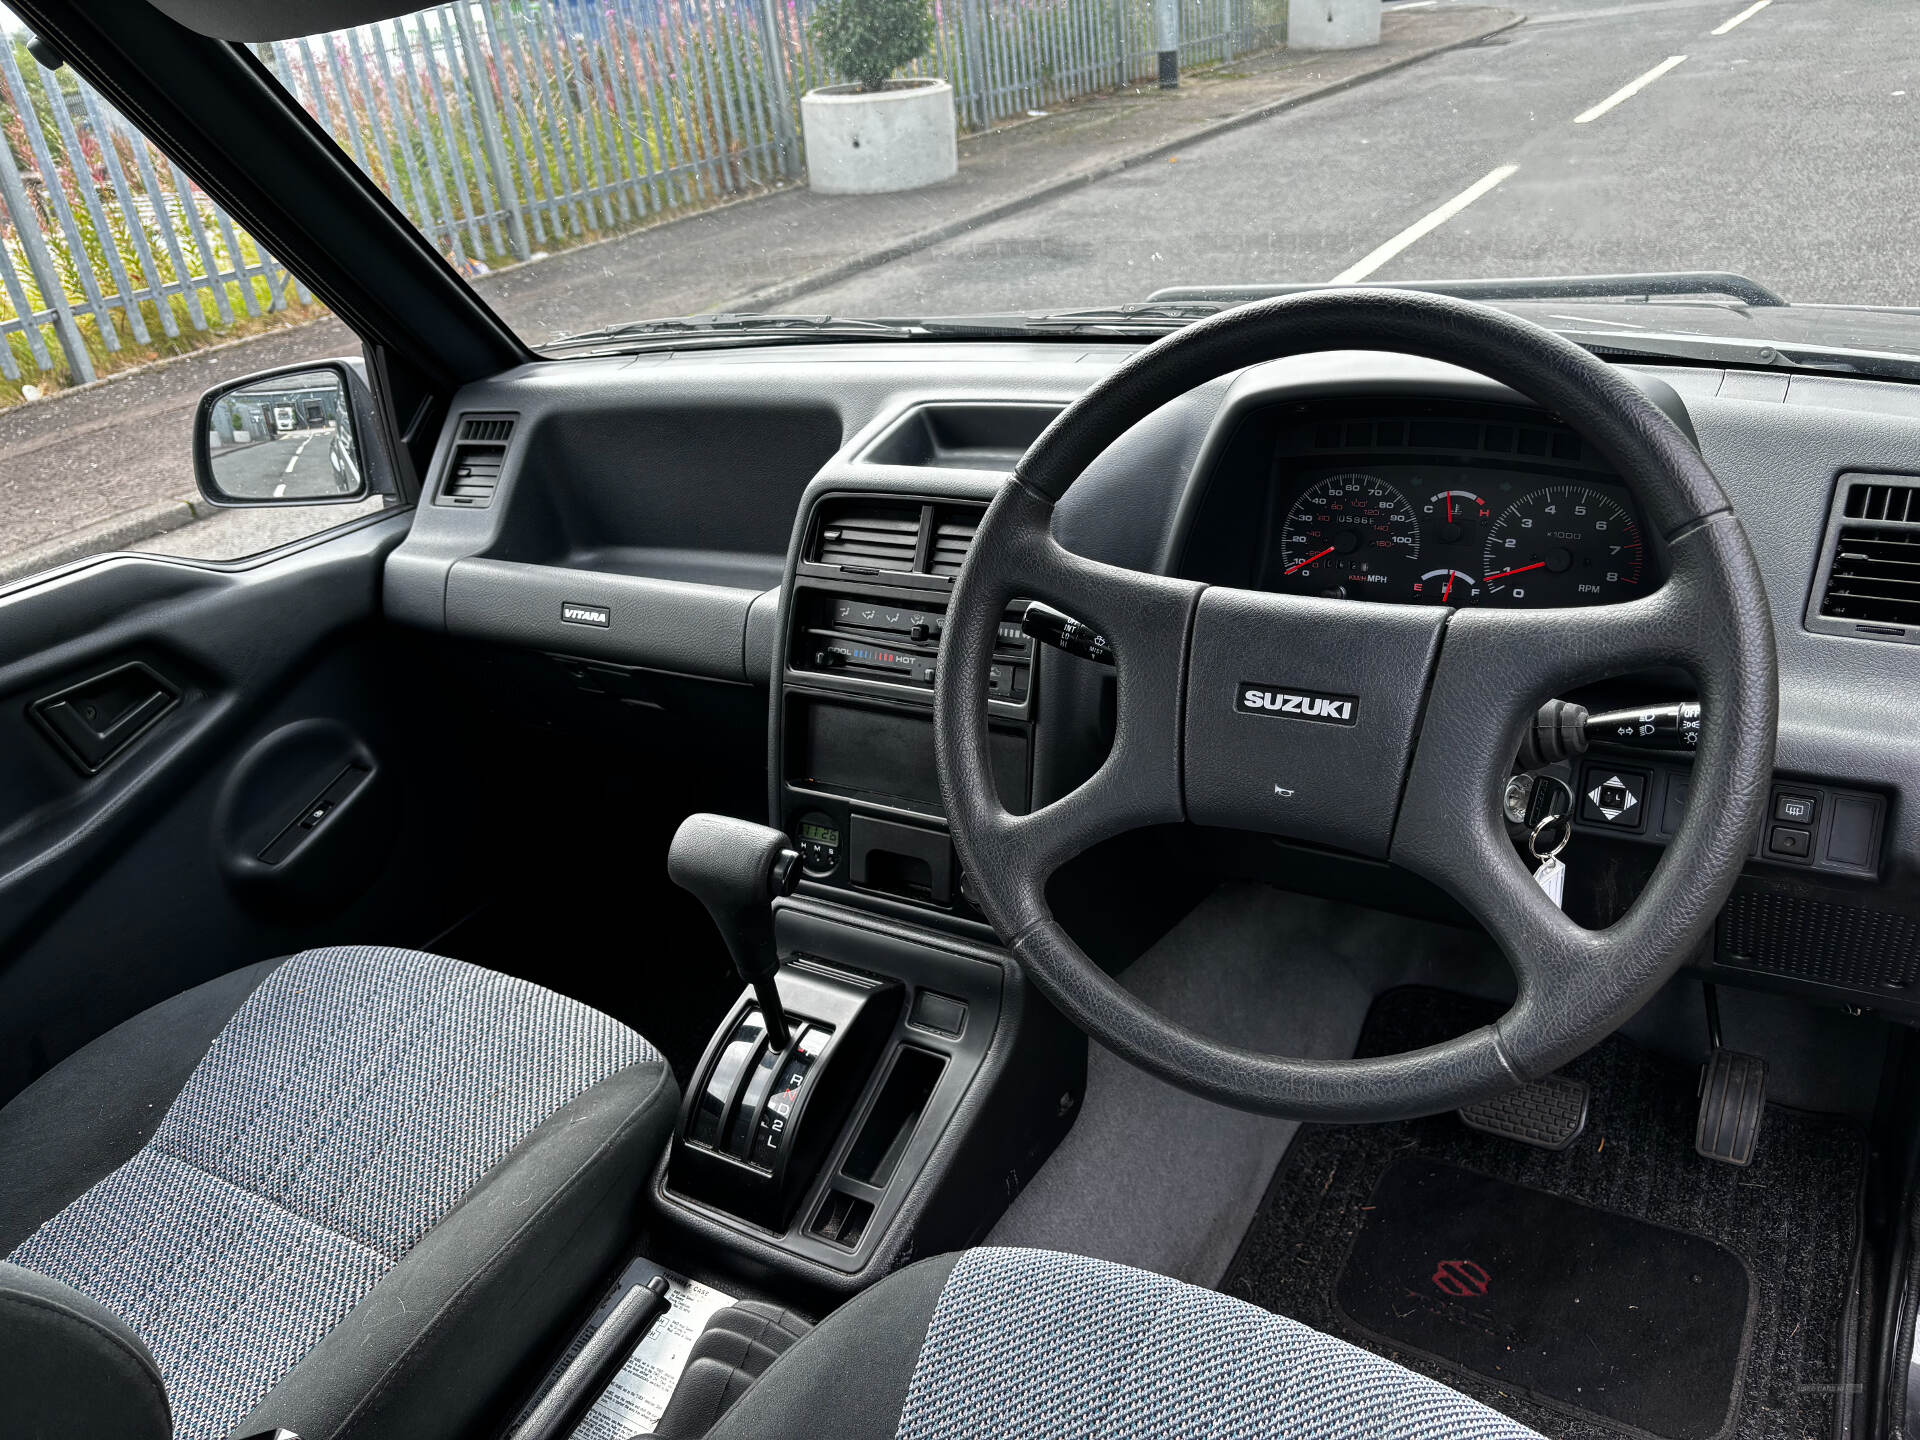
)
(108, 466)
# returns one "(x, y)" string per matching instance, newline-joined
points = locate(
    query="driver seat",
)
(996, 1343)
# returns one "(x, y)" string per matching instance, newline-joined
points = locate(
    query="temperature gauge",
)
(1454, 517)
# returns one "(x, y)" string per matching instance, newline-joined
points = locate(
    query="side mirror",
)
(285, 437)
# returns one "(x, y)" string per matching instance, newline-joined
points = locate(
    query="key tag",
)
(1552, 875)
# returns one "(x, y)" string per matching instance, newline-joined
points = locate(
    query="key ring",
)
(1533, 840)
(1563, 818)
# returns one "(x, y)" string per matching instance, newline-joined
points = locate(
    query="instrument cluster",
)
(1450, 511)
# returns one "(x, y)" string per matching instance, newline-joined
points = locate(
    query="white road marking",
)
(294, 459)
(1424, 226)
(1628, 91)
(280, 490)
(1746, 14)
(1412, 5)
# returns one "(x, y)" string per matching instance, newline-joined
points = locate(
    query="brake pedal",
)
(1733, 1099)
(1548, 1114)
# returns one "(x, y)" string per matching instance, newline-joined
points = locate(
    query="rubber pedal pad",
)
(1733, 1101)
(1549, 1114)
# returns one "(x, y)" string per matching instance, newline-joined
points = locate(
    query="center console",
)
(857, 787)
(900, 1081)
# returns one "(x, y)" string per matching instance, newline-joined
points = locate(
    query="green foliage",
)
(870, 39)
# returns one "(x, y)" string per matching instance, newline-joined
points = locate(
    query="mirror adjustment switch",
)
(1614, 797)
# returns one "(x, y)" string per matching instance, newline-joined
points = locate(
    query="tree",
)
(870, 39)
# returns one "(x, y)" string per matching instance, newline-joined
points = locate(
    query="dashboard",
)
(784, 526)
(1427, 504)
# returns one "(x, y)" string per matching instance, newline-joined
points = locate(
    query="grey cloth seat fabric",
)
(1030, 1343)
(380, 1186)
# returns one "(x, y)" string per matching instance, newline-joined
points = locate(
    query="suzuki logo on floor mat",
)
(1258, 699)
(1463, 1278)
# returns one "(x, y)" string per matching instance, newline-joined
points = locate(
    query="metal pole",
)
(40, 261)
(57, 199)
(136, 227)
(1166, 39)
(90, 197)
(481, 79)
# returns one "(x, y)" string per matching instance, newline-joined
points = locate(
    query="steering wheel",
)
(1404, 730)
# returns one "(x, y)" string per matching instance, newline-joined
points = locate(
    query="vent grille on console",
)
(868, 535)
(473, 473)
(1875, 576)
(952, 538)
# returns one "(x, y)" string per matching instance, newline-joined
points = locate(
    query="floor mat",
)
(1791, 1219)
(1496, 1277)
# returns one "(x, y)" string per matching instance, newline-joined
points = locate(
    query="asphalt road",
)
(1787, 149)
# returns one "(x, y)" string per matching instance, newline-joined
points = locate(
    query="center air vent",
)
(868, 535)
(894, 536)
(952, 539)
(1871, 583)
(473, 473)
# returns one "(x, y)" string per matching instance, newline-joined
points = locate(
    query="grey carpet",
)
(1153, 1177)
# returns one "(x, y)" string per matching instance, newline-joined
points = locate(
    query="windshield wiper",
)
(1689, 283)
(737, 326)
(1767, 354)
(1135, 318)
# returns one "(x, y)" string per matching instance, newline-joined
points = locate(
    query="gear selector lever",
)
(735, 868)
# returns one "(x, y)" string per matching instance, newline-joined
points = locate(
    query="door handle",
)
(95, 720)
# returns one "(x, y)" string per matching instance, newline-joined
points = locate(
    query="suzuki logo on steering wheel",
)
(1257, 699)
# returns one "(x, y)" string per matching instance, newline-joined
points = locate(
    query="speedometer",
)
(1562, 545)
(1350, 534)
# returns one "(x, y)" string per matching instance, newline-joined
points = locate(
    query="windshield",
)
(593, 165)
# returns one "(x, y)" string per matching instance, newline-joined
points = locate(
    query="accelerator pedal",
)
(1733, 1098)
(1548, 1114)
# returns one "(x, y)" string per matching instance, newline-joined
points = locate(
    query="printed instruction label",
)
(634, 1401)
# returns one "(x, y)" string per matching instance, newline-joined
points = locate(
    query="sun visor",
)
(251, 20)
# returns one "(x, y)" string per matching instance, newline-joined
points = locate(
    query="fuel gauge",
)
(1445, 587)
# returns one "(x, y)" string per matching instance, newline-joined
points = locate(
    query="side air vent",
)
(473, 474)
(868, 535)
(496, 428)
(952, 539)
(1879, 501)
(1875, 576)
(1868, 585)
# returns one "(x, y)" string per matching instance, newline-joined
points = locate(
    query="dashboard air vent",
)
(869, 535)
(952, 538)
(473, 474)
(494, 428)
(1876, 572)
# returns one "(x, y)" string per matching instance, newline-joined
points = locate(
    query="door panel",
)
(183, 855)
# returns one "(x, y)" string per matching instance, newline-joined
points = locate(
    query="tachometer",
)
(1562, 545)
(1348, 534)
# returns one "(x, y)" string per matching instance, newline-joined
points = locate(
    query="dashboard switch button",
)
(1786, 840)
(1795, 809)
